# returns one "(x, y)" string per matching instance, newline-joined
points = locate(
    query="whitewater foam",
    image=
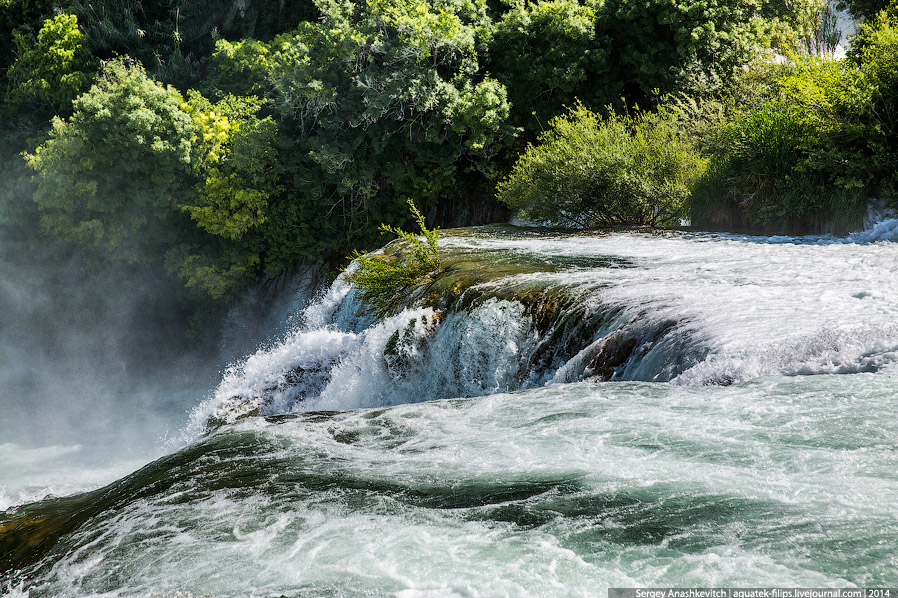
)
(546, 492)
(693, 308)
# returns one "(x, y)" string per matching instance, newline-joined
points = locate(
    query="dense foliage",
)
(549, 53)
(770, 172)
(223, 141)
(697, 47)
(878, 64)
(51, 68)
(587, 171)
(811, 144)
(384, 101)
(108, 175)
(863, 9)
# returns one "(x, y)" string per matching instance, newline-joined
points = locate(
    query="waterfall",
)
(625, 307)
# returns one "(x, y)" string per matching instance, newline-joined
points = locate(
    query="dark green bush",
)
(22, 17)
(240, 68)
(862, 9)
(171, 38)
(587, 171)
(384, 100)
(698, 47)
(123, 173)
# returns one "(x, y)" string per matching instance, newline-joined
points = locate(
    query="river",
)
(591, 411)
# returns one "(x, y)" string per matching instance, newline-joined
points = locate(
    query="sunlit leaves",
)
(52, 68)
(235, 159)
(240, 67)
(107, 176)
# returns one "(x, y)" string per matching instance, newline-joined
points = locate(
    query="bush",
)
(784, 166)
(387, 282)
(171, 39)
(862, 9)
(797, 156)
(235, 164)
(239, 68)
(19, 17)
(587, 171)
(121, 171)
(383, 100)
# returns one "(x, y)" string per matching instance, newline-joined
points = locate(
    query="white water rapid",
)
(594, 410)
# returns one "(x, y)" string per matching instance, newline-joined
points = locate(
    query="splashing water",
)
(691, 309)
(625, 409)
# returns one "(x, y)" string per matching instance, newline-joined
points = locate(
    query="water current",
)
(568, 412)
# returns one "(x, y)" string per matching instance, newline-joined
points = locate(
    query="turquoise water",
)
(750, 442)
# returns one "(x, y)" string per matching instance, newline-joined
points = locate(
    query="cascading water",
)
(621, 409)
(691, 309)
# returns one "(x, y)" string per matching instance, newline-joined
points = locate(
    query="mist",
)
(98, 366)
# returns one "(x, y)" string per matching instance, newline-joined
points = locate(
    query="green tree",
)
(239, 68)
(696, 47)
(234, 162)
(387, 102)
(110, 174)
(548, 55)
(878, 59)
(52, 69)
(23, 17)
(863, 9)
(171, 38)
(795, 160)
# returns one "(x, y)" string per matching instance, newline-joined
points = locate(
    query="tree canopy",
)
(227, 140)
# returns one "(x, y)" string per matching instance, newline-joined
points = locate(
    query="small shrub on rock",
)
(386, 282)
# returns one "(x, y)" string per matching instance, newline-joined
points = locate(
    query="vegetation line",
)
(221, 146)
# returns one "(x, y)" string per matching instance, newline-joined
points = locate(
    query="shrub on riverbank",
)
(810, 147)
(591, 171)
(770, 171)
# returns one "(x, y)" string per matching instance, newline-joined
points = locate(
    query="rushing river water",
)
(611, 410)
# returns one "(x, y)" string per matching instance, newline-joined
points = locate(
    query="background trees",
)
(108, 175)
(810, 144)
(230, 139)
